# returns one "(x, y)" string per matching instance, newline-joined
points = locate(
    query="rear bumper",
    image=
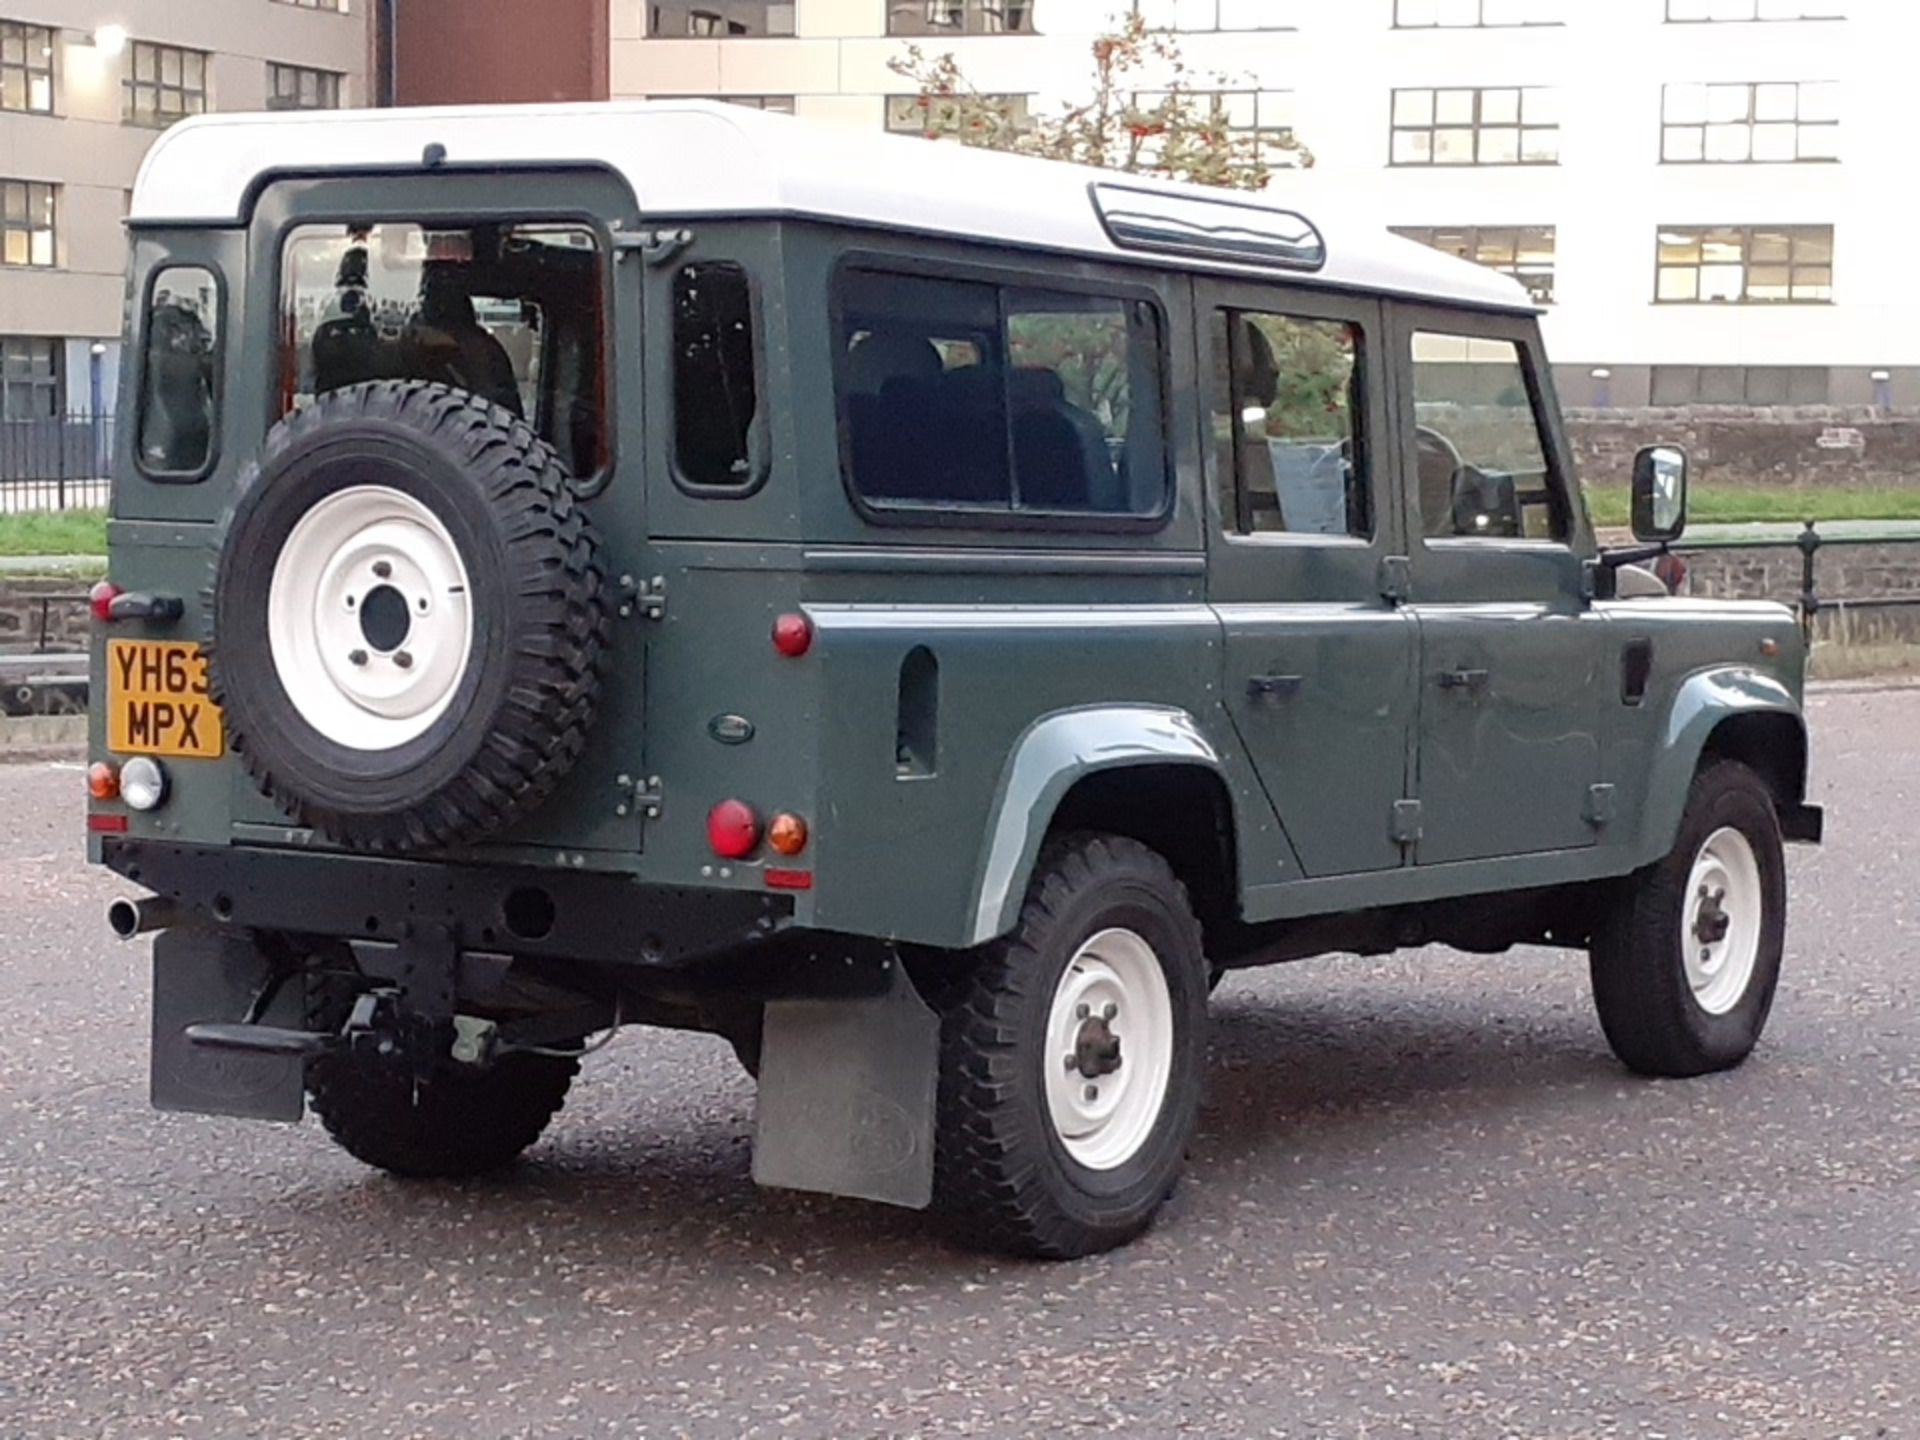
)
(578, 915)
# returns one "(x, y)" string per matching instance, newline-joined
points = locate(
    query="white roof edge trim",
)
(689, 157)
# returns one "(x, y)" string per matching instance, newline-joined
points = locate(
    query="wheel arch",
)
(1143, 771)
(1730, 713)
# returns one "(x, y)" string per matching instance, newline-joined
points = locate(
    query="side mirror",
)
(1659, 494)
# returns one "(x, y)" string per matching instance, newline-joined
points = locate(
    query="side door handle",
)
(1274, 687)
(1472, 681)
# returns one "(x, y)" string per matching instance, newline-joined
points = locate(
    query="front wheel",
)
(1686, 958)
(1072, 1058)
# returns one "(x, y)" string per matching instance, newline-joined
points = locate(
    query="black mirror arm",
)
(1614, 557)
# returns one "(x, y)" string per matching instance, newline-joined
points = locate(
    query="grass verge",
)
(57, 532)
(1732, 504)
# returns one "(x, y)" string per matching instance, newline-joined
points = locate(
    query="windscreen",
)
(511, 313)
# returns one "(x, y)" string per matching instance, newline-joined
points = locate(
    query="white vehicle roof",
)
(687, 158)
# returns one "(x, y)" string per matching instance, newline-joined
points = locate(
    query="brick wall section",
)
(1749, 445)
(20, 606)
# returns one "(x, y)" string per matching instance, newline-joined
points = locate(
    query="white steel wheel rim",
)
(1112, 989)
(332, 623)
(1725, 907)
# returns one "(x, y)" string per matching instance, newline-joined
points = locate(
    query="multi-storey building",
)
(1712, 194)
(85, 85)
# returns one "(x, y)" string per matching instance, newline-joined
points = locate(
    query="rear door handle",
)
(1469, 680)
(1274, 687)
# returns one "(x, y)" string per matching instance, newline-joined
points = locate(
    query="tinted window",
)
(1482, 467)
(961, 394)
(715, 394)
(1287, 421)
(512, 313)
(180, 352)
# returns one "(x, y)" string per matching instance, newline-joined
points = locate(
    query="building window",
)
(164, 84)
(1508, 126)
(939, 116)
(295, 87)
(1745, 265)
(339, 7)
(961, 17)
(719, 19)
(1262, 115)
(1522, 251)
(1701, 11)
(1202, 15)
(28, 216)
(1741, 384)
(1750, 123)
(29, 377)
(1476, 14)
(26, 67)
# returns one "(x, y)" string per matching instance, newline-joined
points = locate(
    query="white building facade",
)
(85, 86)
(1714, 195)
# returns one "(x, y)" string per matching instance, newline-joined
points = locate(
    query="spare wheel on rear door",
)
(407, 617)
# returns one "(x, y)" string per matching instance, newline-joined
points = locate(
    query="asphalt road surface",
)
(1425, 1202)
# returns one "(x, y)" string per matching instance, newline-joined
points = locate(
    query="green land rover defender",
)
(919, 615)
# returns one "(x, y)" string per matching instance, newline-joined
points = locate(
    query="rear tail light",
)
(733, 830)
(793, 635)
(143, 783)
(787, 834)
(103, 781)
(100, 599)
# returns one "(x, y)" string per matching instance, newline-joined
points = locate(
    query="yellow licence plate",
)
(157, 700)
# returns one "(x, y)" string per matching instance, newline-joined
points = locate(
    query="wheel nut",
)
(403, 659)
(382, 569)
(1109, 1010)
(1073, 1062)
(1081, 1012)
(357, 657)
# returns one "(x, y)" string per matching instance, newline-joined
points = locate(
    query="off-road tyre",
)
(1001, 1170)
(526, 700)
(456, 1122)
(1648, 1007)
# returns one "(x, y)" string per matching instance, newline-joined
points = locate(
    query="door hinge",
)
(646, 796)
(1396, 578)
(1407, 828)
(1599, 805)
(654, 247)
(1590, 580)
(647, 599)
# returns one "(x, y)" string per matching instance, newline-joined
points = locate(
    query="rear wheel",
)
(1072, 1058)
(1686, 960)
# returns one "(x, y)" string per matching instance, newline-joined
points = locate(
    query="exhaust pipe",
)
(128, 918)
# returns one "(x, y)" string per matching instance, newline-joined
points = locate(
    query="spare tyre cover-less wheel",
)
(407, 617)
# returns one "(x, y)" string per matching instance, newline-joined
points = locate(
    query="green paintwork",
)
(1056, 653)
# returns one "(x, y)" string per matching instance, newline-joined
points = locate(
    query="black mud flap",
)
(846, 1096)
(199, 977)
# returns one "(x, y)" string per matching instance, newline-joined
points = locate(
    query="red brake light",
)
(733, 830)
(793, 635)
(101, 598)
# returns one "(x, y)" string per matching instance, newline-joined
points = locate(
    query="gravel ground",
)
(1425, 1202)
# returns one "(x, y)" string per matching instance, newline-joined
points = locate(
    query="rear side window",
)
(716, 401)
(960, 395)
(1479, 447)
(179, 365)
(512, 313)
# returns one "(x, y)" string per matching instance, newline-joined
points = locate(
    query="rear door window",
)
(959, 395)
(515, 314)
(716, 386)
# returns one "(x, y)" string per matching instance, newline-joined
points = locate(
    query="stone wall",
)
(21, 602)
(1746, 445)
(1843, 571)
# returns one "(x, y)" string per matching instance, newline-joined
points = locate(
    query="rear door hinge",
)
(1396, 578)
(1599, 805)
(1407, 827)
(648, 598)
(645, 796)
(654, 247)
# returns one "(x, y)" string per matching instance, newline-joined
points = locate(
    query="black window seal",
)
(760, 432)
(947, 514)
(584, 487)
(215, 432)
